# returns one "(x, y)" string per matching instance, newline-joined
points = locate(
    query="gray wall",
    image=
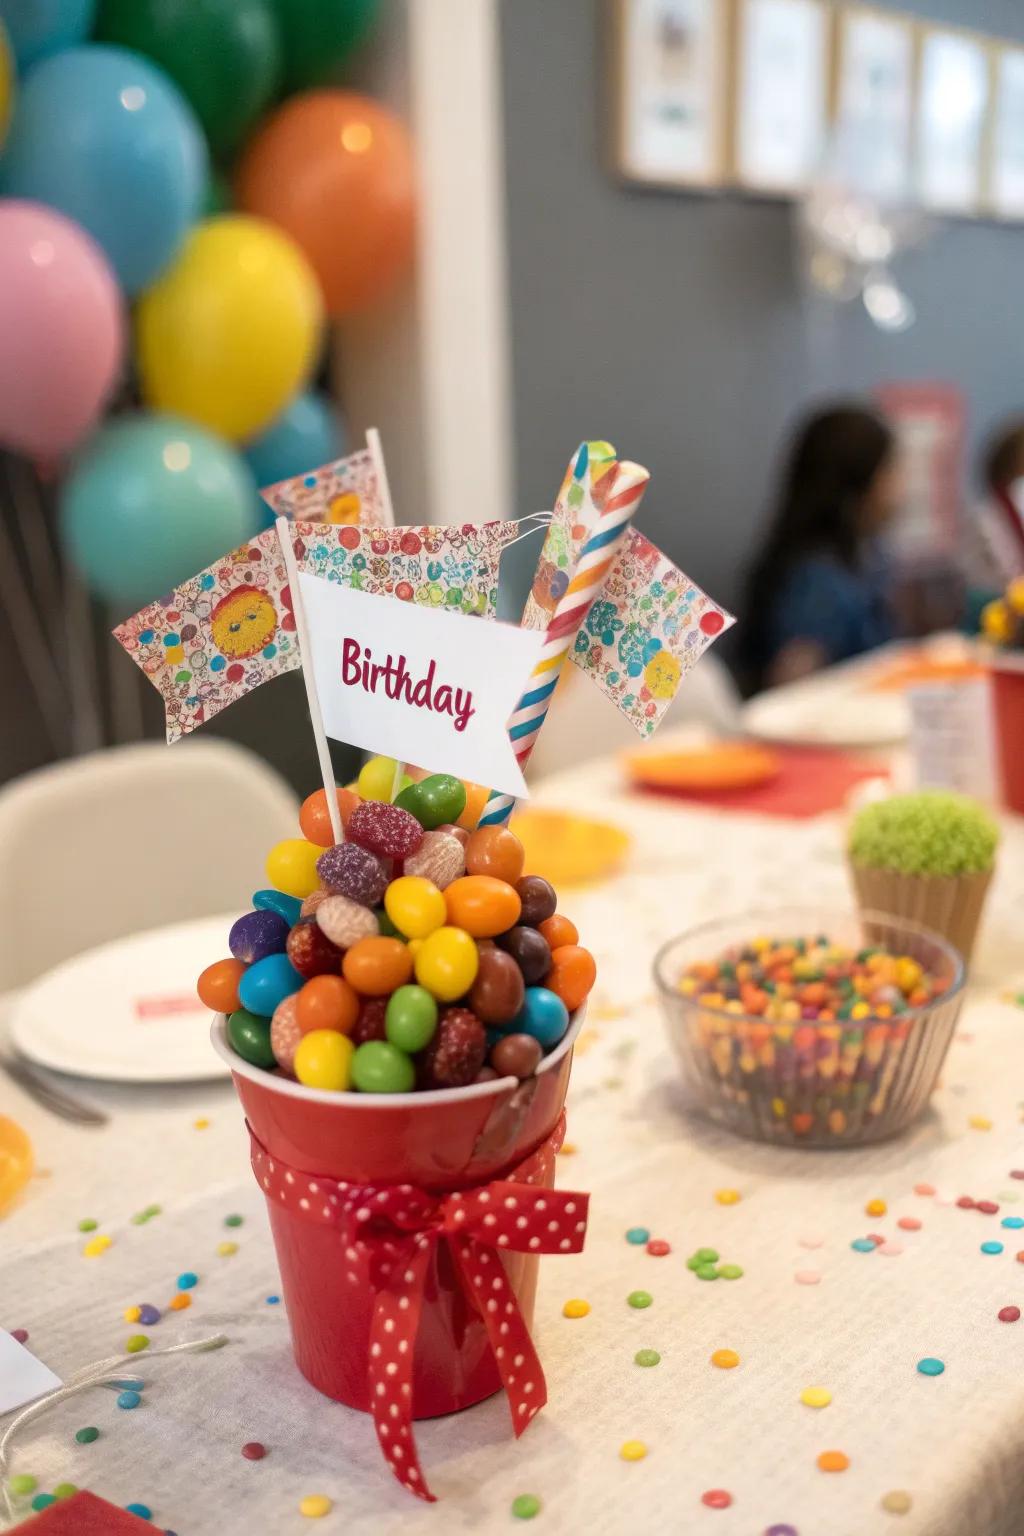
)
(677, 326)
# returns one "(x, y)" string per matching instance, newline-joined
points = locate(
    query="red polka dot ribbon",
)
(394, 1231)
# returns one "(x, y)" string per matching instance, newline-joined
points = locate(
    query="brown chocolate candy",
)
(530, 950)
(497, 993)
(538, 899)
(516, 1056)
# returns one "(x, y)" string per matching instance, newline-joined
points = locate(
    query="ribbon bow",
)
(396, 1229)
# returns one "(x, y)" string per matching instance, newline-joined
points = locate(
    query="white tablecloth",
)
(951, 1442)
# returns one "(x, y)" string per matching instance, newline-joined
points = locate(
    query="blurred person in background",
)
(996, 552)
(816, 593)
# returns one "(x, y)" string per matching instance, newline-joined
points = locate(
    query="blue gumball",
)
(288, 907)
(153, 500)
(308, 434)
(543, 1015)
(268, 983)
(38, 28)
(102, 135)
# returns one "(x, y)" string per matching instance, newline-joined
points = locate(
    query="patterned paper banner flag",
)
(231, 627)
(350, 491)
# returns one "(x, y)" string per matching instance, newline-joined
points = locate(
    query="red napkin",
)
(86, 1515)
(811, 780)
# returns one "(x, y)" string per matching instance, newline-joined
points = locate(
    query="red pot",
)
(1008, 701)
(439, 1141)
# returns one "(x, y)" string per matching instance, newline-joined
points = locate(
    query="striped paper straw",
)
(592, 568)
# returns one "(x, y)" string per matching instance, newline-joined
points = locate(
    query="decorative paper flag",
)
(388, 674)
(581, 499)
(348, 491)
(645, 631)
(231, 628)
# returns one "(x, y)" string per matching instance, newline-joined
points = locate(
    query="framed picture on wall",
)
(670, 59)
(952, 114)
(874, 98)
(1006, 165)
(781, 93)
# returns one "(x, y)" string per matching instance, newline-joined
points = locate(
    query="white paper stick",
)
(373, 442)
(312, 697)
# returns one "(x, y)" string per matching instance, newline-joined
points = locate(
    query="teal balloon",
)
(38, 28)
(308, 434)
(152, 501)
(103, 136)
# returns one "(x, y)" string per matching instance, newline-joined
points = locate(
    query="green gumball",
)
(435, 801)
(249, 1035)
(411, 1018)
(380, 1067)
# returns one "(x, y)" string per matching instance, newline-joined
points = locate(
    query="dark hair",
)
(832, 463)
(1004, 456)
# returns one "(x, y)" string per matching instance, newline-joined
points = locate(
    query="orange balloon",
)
(335, 170)
(218, 985)
(314, 820)
(326, 1002)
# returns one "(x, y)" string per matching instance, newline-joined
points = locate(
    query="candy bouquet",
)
(399, 1004)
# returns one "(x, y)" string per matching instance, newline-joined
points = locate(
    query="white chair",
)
(119, 841)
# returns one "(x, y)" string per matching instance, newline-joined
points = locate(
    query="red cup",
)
(439, 1141)
(1008, 702)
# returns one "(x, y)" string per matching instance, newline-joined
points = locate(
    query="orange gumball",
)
(315, 820)
(326, 1002)
(376, 967)
(572, 974)
(218, 985)
(495, 851)
(558, 930)
(335, 170)
(482, 905)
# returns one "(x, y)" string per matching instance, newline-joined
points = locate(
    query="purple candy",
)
(149, 1315)
(257, 935)
(348, 870)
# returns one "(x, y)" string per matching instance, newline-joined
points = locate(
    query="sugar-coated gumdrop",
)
(288, 907)
(458, 831)
(268, 983)
(538, 899)
(482, 905)
(456, 1053)
(516, 1056)
(410, 1018)
(345, 921)
(256, 935)
(497, 852)
(375, 967)
(415, 906)
(218, 985)
(435, 800)
(350, 870)
(447, 964)
(572, 974)
(558, 930)
(530, 950)
(377, 778)
(285, 1033)
(497, 993)
(315, 820)
(544, 1016)
(439, 858)
(385, 830)
(323, 1059)
(291, 867)
(370, 1025)
(380, 1067)
(327, 1002)
(311, 951)
(249, 1034)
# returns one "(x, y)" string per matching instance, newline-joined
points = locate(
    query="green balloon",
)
(318, 34)
(250, 1038)
(224, 55)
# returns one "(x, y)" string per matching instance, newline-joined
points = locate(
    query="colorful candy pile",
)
(413, 955)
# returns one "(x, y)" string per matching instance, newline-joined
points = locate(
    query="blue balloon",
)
(308, 434)
(153, 500)
(102, 135)
(41, 27)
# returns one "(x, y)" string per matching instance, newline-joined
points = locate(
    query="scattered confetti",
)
(567, 1149)
(19, 1335)
(716, 1498)
(187, 1280)
(87, 1224)
(22, 1484)
(730, 1272)
(910, 1224)
(128, 1399)
(136, 1343)
(525, 1506)
(863, 1245)
(233, 1221)
(658, 1248)
(201, 1124)
(924, 1189)
(979, 1123)
(725, 1359)
(781, 1530)
(43, 1501)
(315, 1505)
(132, 1314)
(632, 1450)
(875, 1208)
(179, 1302)
(929, 1366)
(252, 1450)
(142, 1510)
(141, 1217)
(991, 1247)
(808, 1277)
(88, 1435)
(639, 1298)
(816, 1397)
(638, 1235)
(1008, 1314)
(96, 1245)
(148, 1315)
(706, 1272)
(1014, 1223)
(986, 1207)
(833, 1461)
(647, 1357)
(225, 1250)
(897, 1502)
(577, 1307)
(273, 1301)
(891, 1249)
(728, 1196)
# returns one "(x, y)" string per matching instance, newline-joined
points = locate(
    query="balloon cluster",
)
(145, 156)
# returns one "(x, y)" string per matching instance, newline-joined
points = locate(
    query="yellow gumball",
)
(229, 333)
(323, 1059)
(415, 906)
(447, 964)
(376, 778)
(6, 83)
(291, 867)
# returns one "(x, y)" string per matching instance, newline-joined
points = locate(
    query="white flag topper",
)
(410, 681)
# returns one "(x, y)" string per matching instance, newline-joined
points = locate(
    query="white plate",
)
(828, 714)
(128, 1011)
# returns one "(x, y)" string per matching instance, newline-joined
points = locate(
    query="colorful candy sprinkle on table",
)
(647, 1357)
(728, 1196)
(833, 1461)
(179, 1301)
(897, 1502)
(658, 1248)
(716, 1498)
(891, 1249)
(87, 1435)
(986, 1207)
(201, 1124)
(725, 1359)
(863, 1245)
(639, 1299)
(1008, 1314)
(136, 1343)
(315, 1505)
(909, 1224)
(87, 1224)
(730, 1272)
(924, 1189)
(22, 1484)
(43, 1501)
(637, 1235)
(252, 1450)
(142, 1510)
(808, 1277)
(965, 1203)
(816, 1397)
(187, 1280)
(875, 1208)
(225, 1250)
(930, 1366)
(128, 1399)
(632, 1450)
(273, 1301)
(577, 1307)
(979, 1123)
(132, 1314)
(567, 1149)
(525, 1506)
(706, 1272)
(148, 1315)
(65, 1490)
(1013, 1223)
(781, 1530)
(991, 1247)
(233, 1221)
(96, 1245)
(19, 1335)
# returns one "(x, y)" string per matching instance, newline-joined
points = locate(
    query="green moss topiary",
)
(929, 833)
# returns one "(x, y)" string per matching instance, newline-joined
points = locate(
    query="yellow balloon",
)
(6, 83)
(229, 333)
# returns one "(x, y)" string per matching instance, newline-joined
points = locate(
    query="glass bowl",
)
(803, 1083)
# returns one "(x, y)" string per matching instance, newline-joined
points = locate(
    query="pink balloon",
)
(61, 330)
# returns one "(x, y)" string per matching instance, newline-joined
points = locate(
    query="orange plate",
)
(570, 850)
(912, 671)
(720, 765)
